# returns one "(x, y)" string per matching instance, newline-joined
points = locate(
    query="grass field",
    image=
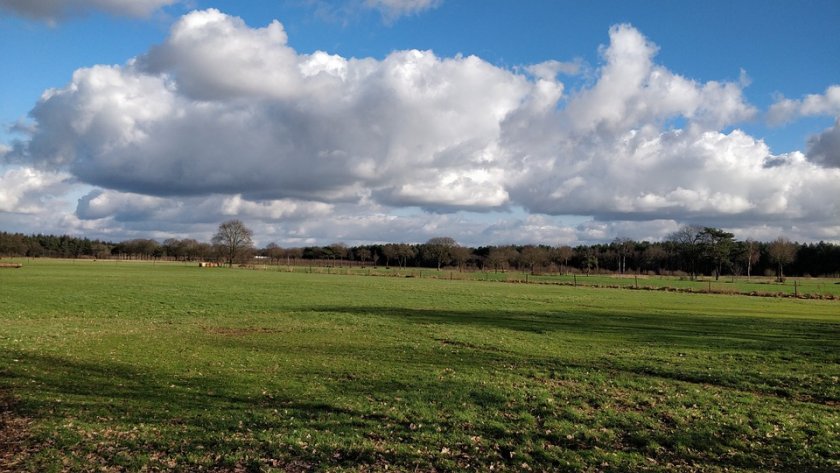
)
(132, 366)
(805, 287)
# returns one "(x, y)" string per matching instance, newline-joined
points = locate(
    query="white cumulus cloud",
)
(279, 124)
(825, 104)
(25, 190)
(824, 147)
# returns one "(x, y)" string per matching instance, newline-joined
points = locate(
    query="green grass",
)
(805, 287)
(171, 367)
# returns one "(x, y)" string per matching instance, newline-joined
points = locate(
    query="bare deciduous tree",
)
(460, 254)
(389, 252)
(292, 255)
(533, 257)
(439, 250)
(751, 254)
(781, 252)
(403, 252)
(363, 254)
(233, 239)
(499, 257)
(337, 251)
(624, 247)
(562, 254)
(687, 241)
(274, 252)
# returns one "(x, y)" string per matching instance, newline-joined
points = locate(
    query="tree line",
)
(691, 251)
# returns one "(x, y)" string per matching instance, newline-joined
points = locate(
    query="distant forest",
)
(692, 251)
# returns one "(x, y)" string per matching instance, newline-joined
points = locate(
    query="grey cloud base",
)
(52, 10)
(824, 148)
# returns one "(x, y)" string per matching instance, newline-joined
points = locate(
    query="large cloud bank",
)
(223, 118)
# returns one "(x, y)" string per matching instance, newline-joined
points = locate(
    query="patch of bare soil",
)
(240, 331)
(14, 432)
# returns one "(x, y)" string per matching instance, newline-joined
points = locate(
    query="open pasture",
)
(817, 288)
(764, 286)
(170, 367)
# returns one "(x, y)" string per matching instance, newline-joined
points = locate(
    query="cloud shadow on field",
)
(678, 331)
(226, 414)
(93, 406)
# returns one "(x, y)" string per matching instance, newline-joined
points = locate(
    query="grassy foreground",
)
(171, 367)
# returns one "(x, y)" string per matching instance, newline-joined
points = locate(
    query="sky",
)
(365, 121)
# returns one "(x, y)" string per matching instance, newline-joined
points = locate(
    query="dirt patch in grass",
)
(14, 432)
(241, 331)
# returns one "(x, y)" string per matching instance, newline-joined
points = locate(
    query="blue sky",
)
(767, 51)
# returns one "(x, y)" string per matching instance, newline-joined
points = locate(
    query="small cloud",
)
(813, 105)
(52, 11)
(394, 9)
(350, 10)
(548, 70)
